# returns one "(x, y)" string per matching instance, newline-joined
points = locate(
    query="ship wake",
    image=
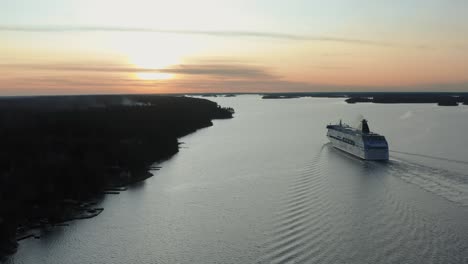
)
(450, 185)
(316, 223)
(302, 228)
(430, 157)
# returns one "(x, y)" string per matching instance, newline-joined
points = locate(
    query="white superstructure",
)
(358, 142)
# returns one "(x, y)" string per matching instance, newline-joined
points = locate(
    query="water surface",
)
(265, 187)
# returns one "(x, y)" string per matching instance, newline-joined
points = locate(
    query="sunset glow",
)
(237, 46)
(153, 76)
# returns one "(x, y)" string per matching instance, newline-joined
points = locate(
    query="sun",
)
(151, 76)
(152, 61)
(151, 55)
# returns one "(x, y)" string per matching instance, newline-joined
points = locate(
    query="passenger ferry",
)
(359, 142)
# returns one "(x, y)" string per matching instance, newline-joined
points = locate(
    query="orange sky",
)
(142, 46)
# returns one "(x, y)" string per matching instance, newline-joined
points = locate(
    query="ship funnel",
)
(365, 126)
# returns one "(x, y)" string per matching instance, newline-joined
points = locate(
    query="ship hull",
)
(360, 152)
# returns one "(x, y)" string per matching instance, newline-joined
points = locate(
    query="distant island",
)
(442, 98)
(216, 95)
(58, 153)
(301, 94)
(278, 96)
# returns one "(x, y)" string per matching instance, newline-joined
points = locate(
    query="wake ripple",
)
(316, 225)
(447, 184)
(302, 230)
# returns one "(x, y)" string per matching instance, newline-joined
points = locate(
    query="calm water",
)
(265, 187)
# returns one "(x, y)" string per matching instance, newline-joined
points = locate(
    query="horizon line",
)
(241, 93)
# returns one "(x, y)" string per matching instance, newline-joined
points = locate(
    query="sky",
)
(154, 46)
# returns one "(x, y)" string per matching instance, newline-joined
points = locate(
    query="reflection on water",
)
(266, 187)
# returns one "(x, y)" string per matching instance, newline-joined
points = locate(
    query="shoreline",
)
(57, 172)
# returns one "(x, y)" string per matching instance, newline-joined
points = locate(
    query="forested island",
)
(302, 94)
(58, 153)
(440, 98)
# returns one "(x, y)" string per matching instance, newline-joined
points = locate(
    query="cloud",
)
(226, 70)
(199, 76)
(244, 34)
(77, 79)
(78, 84)
(236, 70)
(97, 84)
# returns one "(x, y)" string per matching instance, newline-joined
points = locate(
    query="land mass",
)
(440, 98)
(60, 152)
